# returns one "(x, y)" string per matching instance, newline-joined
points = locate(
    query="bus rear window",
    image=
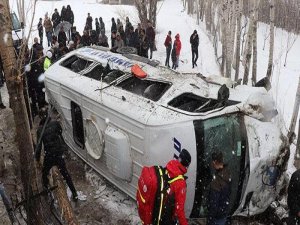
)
(76, 64)
(149, 89)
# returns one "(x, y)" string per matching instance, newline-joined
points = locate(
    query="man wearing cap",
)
(219, 193)
(194, 40)
(177, 168)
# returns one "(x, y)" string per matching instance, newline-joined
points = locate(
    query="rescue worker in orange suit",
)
(177, 168)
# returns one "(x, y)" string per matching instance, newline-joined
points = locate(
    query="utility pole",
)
(14, 84)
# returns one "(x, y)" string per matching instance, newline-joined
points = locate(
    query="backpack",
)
(152, 194)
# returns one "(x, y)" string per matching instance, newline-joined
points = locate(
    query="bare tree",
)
(147, 10)
(271, 49)
(141, 6)
(292, 37)
(254, 61)
(239, 6)
(152, 12)
(17, 102)
(295, 111)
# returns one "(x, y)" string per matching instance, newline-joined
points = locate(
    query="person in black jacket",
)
(69, 15)
(85, 39)
(133, 40)
(294, 199)
(97, 25)
(63, 14)
(49, 134)
(219, 192)
(69, 18)
(41, 30)
(89, 23)
(113, 25)
(102, 26)
(55, 18)
(62, 37)
(194, 40)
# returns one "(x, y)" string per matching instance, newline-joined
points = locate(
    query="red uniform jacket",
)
(175, 168)
(178, 44)
(168, 41)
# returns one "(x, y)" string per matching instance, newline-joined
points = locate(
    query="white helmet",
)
(49, 54)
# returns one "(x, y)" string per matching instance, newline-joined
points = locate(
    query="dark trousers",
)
(194, 56)
(58, 161)
(41, 38)
(168, 49)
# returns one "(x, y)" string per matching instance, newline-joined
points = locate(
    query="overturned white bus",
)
(117, 122)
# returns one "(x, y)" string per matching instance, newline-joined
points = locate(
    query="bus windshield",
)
(227, 134)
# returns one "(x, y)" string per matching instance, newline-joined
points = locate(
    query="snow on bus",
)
(117, 123)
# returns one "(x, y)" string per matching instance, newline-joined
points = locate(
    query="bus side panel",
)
(167, 141)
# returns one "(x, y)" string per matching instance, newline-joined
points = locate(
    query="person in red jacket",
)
(176, 169)
(168, 45)
(177, 43)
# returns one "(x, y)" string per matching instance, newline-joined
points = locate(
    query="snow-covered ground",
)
(171, 16)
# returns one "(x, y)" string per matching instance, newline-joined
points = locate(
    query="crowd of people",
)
(62, 36)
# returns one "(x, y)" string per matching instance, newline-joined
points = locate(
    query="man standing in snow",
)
(55, 18)
(41, 30)
(219, 193)
(294, 199)
(102, 27)
(194, 40)
(89, 23)
(48, 28)
(150, 33)
(168, 45)
(176, 52)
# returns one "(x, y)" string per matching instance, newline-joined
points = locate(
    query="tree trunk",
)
(201, 2)
(239, 4)
(224, 9)
(248, 49)
(17, 102)
(63, 200)
(254, 62)
(295, 112)
(141, 6)
(208, 16)
(231, 27)
(152, 12)
(271, 50)
(190, 6)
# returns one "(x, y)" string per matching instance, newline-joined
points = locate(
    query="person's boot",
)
(2, 106)
(74, 197)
